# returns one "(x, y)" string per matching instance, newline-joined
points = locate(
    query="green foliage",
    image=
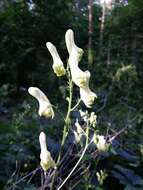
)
(24, 29)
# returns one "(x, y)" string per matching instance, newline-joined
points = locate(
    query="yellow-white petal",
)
(45, 107)
(59, 69)
(42, 140)
(73, 50)
(45, 156)
(87, 96)
(69, 38)
(101, 144)
(79, 77)
(58, 65)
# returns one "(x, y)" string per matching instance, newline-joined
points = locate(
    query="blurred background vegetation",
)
(111, 34)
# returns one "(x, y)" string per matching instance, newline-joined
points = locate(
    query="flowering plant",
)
(85, 135)
(85, 142)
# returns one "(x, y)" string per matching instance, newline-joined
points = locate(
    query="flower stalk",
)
(67, 124)
(76, 165)
(81, 79)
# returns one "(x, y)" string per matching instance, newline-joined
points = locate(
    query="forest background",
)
(111, 34)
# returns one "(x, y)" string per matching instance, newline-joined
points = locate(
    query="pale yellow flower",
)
(100, 142)
(58, 65)
(45, 107)
(87, 96)
(73, 50)
(45, 156)
(79, 77)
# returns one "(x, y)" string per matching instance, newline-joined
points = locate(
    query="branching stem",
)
(67, 124)
(84, 150)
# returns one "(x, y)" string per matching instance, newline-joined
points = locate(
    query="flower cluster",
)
(79, 78)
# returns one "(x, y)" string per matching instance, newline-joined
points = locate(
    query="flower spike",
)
(79, 77)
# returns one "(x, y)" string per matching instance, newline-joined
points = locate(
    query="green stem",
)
(67, 120)
(72, 109)
(83, 153)
(66, 126)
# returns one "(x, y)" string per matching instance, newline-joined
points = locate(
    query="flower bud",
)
(100, 142)
(92, 119)
(58, 66)
(84, 115)
(78, 133)
(45, 107)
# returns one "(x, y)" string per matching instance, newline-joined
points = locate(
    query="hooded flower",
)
(79, 77)
(45, 156)
(45, 107)
(87, 96)
(58, 66)
(74, 51)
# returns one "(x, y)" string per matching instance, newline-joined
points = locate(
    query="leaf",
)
(128, 156)
(127, 176)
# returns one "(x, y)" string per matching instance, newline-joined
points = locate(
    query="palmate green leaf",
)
(127, 176)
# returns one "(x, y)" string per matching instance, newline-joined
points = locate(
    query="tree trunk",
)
(90, 32)
(102, 25)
